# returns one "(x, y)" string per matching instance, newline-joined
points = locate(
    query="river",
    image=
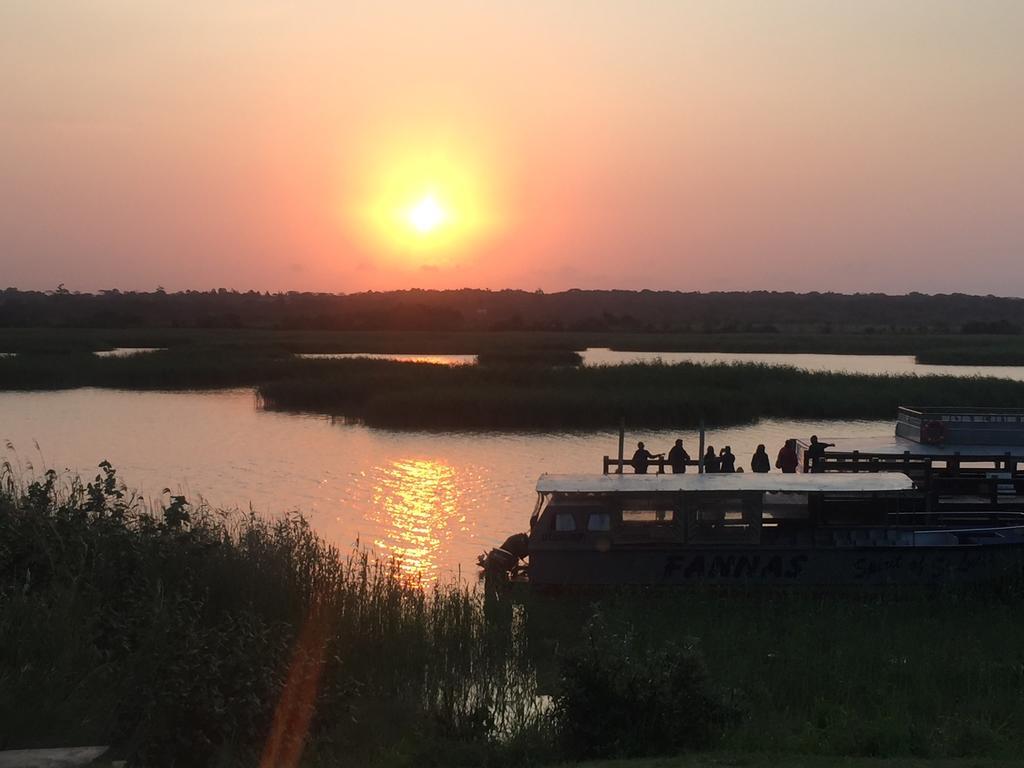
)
(434, 500)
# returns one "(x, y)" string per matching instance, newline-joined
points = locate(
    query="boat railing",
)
(869, 461)
(614, 466)
(856, 461)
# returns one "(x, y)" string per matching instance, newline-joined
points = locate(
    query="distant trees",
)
(483, 310)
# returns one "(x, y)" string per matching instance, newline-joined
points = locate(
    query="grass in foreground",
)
(194, 637)
(726, 760)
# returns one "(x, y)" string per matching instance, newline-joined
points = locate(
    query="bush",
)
(618, 700)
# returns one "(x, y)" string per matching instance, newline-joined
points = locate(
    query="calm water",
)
(436, 500)
(436, 359)
(126, 351)
(870, 364)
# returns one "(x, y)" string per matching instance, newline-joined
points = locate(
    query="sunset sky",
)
(344, 146)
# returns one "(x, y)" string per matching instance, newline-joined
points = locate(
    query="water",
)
(436, 359)
(436, 500)
(869, 364)
(126, 351)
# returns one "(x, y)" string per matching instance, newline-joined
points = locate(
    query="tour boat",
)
(938, 514)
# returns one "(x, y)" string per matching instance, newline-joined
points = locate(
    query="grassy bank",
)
(944, 348)
(1009, 353)
(191, 637)
(433, 397)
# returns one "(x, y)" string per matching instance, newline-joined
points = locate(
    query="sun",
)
(427, 215)
(425, 206)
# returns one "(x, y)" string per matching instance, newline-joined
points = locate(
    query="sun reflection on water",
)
(416, 503)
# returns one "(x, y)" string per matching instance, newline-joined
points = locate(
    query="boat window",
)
(564, 521)
(785, 506)
(599, 521)
(648, 516)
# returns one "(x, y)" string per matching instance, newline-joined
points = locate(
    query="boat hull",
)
(854, 566)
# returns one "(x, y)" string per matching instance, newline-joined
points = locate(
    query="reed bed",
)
(400, 396)
(195, 637)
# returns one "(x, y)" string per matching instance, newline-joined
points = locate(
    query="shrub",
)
(621, 700)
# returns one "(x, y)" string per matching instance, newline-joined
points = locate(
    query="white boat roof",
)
(864, 482)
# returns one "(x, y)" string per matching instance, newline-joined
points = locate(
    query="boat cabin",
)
(728, 528)
(718, 508)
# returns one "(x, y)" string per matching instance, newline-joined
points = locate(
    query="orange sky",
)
(791, 145)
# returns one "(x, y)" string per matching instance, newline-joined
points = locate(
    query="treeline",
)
(759, 312)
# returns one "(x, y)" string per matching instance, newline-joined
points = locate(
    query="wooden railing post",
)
(622, 442)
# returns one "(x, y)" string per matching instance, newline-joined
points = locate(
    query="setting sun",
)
(432, 206)
(427, 215)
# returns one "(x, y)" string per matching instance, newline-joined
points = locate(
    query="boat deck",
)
(891, 445)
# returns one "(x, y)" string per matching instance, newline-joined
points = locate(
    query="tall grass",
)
(886, 674)
(193, 637)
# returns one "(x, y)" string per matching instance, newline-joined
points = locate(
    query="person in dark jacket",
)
(787, 460)
(711, 462)
(760, 462)
(814, 452)
(677, 457)
(728, 460)
(641, 458)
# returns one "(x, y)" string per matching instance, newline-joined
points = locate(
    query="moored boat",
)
(940, 502)
(813, 529)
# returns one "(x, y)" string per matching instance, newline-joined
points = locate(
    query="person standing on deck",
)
(641, 458)
(814, 452)
(760, 462)
(787, 459)
(711, 462)
(677, 457)
(728, 460)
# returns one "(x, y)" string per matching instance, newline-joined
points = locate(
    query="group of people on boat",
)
(678, 459)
